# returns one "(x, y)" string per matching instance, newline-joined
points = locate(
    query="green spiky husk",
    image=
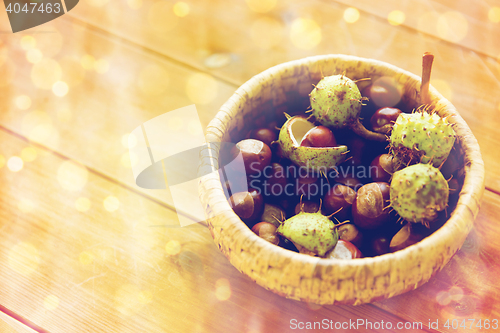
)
(418, 192)
(421, 137)
(336, 101)
(313, 231)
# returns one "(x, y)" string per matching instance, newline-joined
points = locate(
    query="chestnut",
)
(266, 231)
(319, 136)
(369, 209)
(404, 238)
(256, 155)
(344, 250)
(350, 233)
(247, 205)
(306, 185)
(383, 119)
(276, 176)
(307, 207)
(265, 135)
(380, 245)
(272, 214)
(382, 168)
(385, 91)
(339, 196)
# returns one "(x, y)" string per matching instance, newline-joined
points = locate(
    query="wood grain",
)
(111, 271)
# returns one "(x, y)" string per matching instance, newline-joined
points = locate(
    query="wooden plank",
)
(70, 262)
(467, 288)
(456, 21)
(468, 79)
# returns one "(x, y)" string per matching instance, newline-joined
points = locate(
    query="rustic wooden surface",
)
(96, 253)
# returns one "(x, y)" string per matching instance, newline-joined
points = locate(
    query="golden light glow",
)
(267, 32)
(193, 127)
(73, 71)
(494, 14)
(201, 88)
(87, 61)
(444, 88)
(24, 258)
(129, 140)
(222, 289)
(351, 15)
(45, 73)
(173, 247)
(86, 258)
(7, 71)
(305, 33)
(128, 299)
(134, 4)
(82, 204)
(72, 176)
(15, 164)
(111, 203)
(34, 56)
(153, 80)
(49, 43)
(161, 17)
(181, 9)
(217, 60)
(97, 3)
(145, 296)
(64, 115)
(25, 205)
(29, 154)
(23, 102)
(34, 118)
(427, 22)
(396, 17)
(129, 159)
(51, 302)
(101, 66)
(45, 133)
(175, 124)
(2, 161)
(60, 88)
(28, 42)
(261, 6)
(452, 26)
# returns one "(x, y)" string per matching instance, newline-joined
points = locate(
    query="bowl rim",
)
(458, 224)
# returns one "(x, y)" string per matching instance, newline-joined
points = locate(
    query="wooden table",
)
(83, 249)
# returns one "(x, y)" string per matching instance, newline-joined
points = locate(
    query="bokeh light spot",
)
(153, 80)
(25, 205)
(2, 161)
(161, 17)
(97, 3)
(201, 88)
(305, 33)
(28, 42)
(87, 61)
(129, 140)
(29, 154)
(494, 14)
(72, 176)
(261, 6)
(86, 258)
(129, 159)
(15, 164)
(82, 204)
(24, 258)
(396, 17)
(23, 102)
(111, 203)
(181, 9)
(60, 88)
(134, 4)
(34, 56)
(452, 26)
(222, 289)
(351, 15)
(51, 302)
(267, 32)
(145, 296)
(45, 73)
(173, 247)
(101, 66)
(218, 60)
(443, 87)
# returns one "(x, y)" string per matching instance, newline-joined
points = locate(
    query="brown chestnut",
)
(369, 209)
(383, 119)
(256, 155)
(344, 250)
(339, 196)
(319, 136)
(350, 233)
(307, 207)
(247, 205)
(266, 231)
(265, 135)
(385, 91)
(272, 214)
(381, 168)
(404, 238)
(380, 245)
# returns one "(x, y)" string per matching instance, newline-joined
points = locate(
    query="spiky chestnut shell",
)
(314, 232)
(312, 158)
(421, 137)
(418, 192)
(336, 101)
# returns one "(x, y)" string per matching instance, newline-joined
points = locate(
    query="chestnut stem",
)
(427, 60)
(359, 129)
